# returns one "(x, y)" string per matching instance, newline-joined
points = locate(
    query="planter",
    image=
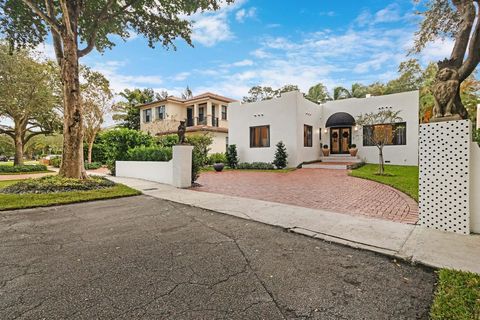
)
(218, 166)
(326, 152)
(353, 152)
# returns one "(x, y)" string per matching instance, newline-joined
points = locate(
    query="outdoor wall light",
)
(356, 128)
(326, 130)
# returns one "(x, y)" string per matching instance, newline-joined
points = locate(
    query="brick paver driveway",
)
(324, 189)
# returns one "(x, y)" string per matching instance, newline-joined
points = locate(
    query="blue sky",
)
(272, 43)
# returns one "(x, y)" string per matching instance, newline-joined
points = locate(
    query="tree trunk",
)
(72, 162)
(381, 165)
(90, 148)
(18, 160)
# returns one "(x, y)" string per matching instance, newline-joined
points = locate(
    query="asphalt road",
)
(145, 258)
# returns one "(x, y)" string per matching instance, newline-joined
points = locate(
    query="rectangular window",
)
(147, 115)
(201, 115)
(260, 137)
(394, 134)
(307, 136)
(224, 112)
(161, 112)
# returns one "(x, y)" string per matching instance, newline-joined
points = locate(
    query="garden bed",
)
(54, 190)
(34, 168)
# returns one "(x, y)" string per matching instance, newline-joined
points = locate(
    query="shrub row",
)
(152, 153)
(24, 168)
(256, 166)
(53, 184)
(92, 166)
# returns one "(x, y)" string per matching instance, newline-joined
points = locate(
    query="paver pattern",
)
(325, 189)
(145, 258)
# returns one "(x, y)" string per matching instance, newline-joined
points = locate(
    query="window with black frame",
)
(161, 112)
(147, 115)
(307, 135)
(224, 112)
(393, 134)
(260, 137)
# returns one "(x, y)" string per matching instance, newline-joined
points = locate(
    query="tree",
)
(91, 22)
(357, 91)
(459, 20)
(27, 99)
(6, 146)
(96, 100)
(377, 131)
(259, 93)
(232, 156)
(187, 94)
(127, 111)
(318, 93)
(281, 156)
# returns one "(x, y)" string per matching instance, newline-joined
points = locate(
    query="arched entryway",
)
(340, 125)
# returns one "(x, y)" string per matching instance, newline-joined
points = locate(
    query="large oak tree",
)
(28, 100)
(79, 26)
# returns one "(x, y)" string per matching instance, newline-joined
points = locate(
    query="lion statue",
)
(444, 91)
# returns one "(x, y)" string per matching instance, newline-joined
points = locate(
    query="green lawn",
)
(21, 201)
(457, 296)
(403, 178)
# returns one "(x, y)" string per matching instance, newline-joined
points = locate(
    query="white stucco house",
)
(304, 127)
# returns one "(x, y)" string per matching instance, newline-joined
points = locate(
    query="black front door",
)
(340, 140)
(189, 117)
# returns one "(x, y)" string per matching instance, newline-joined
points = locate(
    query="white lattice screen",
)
(444, 194)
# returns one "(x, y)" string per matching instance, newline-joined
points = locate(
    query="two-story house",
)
(203, 114)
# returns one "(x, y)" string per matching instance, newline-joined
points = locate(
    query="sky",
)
(273, 43)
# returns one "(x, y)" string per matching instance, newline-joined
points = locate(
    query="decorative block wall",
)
(444, 186)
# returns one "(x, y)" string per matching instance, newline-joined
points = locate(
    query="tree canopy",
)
(259, 93)
(27, 98)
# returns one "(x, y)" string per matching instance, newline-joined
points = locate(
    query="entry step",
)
(341, 158)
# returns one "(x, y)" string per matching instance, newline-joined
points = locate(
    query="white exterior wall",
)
(176, 172)
(475, 188)
(148, 170)
(219, 143)
(286, 116)
(407, 103)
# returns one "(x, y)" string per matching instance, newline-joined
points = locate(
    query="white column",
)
(182, 166)
(444, 184)
(209, 113)
(478, 116)
(195, 113)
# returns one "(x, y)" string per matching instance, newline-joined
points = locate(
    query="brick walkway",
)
(331, 190)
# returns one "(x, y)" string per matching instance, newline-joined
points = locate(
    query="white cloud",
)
(210, 28)
(243, 14)
(437, 50)
(181, 76)
(327, 13)
(243, 63)
(391, 13)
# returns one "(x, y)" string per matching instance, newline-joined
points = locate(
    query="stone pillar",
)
(182, 166)
(444, 184)
(195, 114)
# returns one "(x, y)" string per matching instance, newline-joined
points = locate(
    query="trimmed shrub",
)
(92, 166)
(232, 156)
(152, 153)
(201, 146)
(53, 184)
(24, 168)
(256, 166)
(55, 162)
(117, 142)
(217, 158)
(167, 141)
(281, 155)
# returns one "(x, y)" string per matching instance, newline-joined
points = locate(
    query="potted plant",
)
(218, 166)
(325, 150)
(353, 150)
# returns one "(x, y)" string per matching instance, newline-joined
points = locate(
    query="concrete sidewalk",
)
(410, 242)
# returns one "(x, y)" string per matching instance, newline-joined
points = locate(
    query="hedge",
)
(24, 168)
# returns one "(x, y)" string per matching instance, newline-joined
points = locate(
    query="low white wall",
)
(176, 172)
(475, 188)
(148, 170)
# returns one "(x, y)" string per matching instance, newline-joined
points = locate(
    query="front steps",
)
(336, 162)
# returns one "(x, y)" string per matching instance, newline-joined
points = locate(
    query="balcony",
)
(201, 121)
